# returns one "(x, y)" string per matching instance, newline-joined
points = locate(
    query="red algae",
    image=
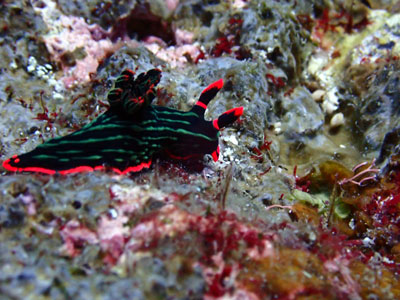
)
(229, 42)
(329, 22)
(278, 82)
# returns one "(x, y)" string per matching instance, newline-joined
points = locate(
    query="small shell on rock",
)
(318, 95)
(232, 139)
(277, 127)
(337, 120)
(331, 101)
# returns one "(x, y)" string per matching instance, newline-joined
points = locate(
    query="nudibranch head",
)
(128, 136)
(200, 137)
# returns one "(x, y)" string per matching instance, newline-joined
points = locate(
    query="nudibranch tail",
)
(108, 142)
(11, 165)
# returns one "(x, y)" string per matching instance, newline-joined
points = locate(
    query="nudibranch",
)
(131, 133)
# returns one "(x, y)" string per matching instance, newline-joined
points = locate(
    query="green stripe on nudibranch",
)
(69, 152)
(177, 113)
(165, 120)
(131, 133)
(180, 131)
(95, 140)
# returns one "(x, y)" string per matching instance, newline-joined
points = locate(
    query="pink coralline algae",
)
(340, 264)
(218, 238)
(75, 236)
(171, 4)
(72, 35)
(76, 34)
(177, 56)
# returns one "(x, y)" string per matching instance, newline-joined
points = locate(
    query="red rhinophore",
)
(201, 104)
(215, 124)
(237, 111)
(217, 84)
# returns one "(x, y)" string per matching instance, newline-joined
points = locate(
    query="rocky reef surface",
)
(304, 201)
